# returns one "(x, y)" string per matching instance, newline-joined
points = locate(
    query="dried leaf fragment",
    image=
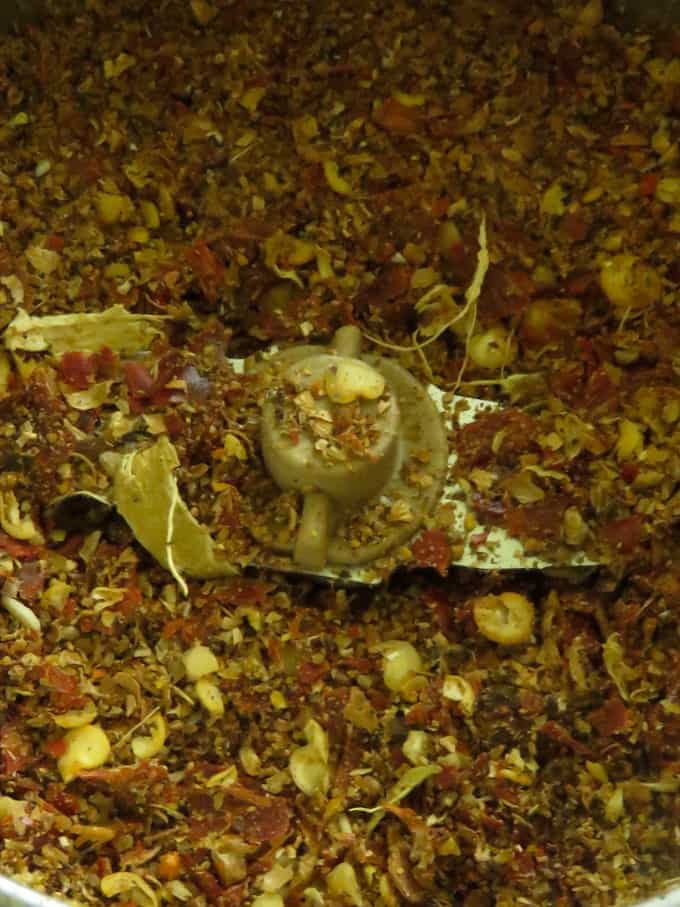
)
(115, 68)
(91, 398)
(203, 12)
(412, 778)
(123, 882)
(167, 530)
(614, 662)
(342, 882)
(44, 261)
(115, 327)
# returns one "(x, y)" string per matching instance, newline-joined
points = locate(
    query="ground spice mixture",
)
(262, 171)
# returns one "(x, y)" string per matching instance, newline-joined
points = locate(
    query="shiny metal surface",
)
(14, 895)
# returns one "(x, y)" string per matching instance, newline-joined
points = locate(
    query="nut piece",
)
(351, 380)
(199, 661)
(87, 747)
(401, 663)
(493, 349)
(507, 618)
(630, 283)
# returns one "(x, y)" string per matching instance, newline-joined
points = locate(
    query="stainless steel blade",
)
(498, 550)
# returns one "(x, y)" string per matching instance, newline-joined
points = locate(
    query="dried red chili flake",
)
(209, 885)
(611, 718)
(531, 703)
(442, 609)
(432, 548)
(105, 363)
(629, 472)
(648, 184)
(625, 534)
(393, 116)
(474, 441)
(309, 673)
(249, 229)
(542, 521)
(20, 550)
(175, 425)
(243, 591)
(393, 282)
(505, 293)
(54, 242)
(16, 751)
(131, 777)
(207, 267)
(267, 818)
(561, 735)
(439, 207)
(55, 748)
(575, 227)
(66, 803)
(140, 384)
(60, 683)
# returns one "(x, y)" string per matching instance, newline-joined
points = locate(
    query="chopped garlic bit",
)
(309, 764)
(210, 696)
(251, 98)
(268, 900)
(115, 68)
(233, 447)
(631, 440)
(401, 663)
(87, 747)
(18, 526)
(506, 619)
(77, 717)
(230, 864)
(199, 661)
(460, 690)
(20, 612)
(415, 747)
(93, 834)
(146, 747)
(44, 261)
(334, 180)
(124, 882)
